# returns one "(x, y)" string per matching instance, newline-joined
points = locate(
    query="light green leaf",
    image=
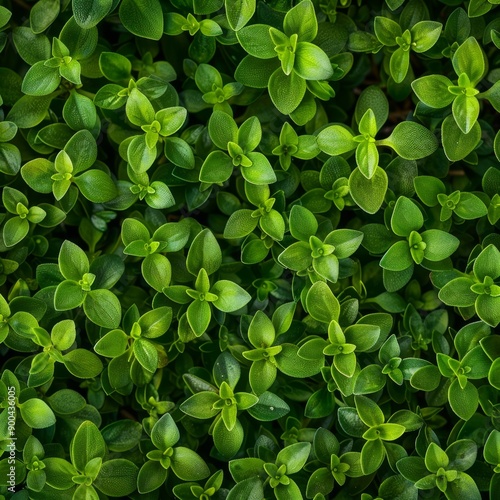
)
(311, 63)
(231, 296)
(286, 91)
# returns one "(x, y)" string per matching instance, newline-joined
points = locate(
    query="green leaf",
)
(462, 454)
(204, 253)
(68, 295)
(217, 168)
(122, 435)
(79, 112)
(151, 476)
(286, 91)
(294, 457)
(260, 172)
(231, 296)
(250, 489)
(465, 111)
(440, 244)
(463, 402)
(406, 217)
(112, 344)
(10, 159)
(226, 369)
(239, 12)
(82, 363)
(269, 407)
(200, 405)
(179, 152)
(368, 411)
(321, 304)
(157, 271)
(457, 292)
(369, 380)
(89, 12)
(397, 258)
(254, 72)
(424, 35)
(311, 63)
(165, 433)
(487, 263)
(171, 119)
(372, 455)
(470, 207)
(387, 30)
(40, 80)
(140, 155)
(115, 67)
(103, 308)
(30, 46)
(222, 129)
(399, 64)
(15, 230)
(86, 445)
(143, 18)
(198, 316)
(303, 223)
(336, 140)
(256, 41)
(240, 224)
(463, 485)
(301, 20)
(73, 263)
(117, 477)
(29, 111)
(367, 158)
(469, 59)
(493, 95)
(228, 442)
(96, 186)
(156, 322)
(291, 364)
(411, 141)
(492, 448)
(139, 110)
(428, 188)
(487, 308)
(249, 134)
(433, 90)
(456, 144)
(80, 42)
(435, 458)
(43, 14)
(37, 414)
(368, 194)
(188, 465)
(296, 257)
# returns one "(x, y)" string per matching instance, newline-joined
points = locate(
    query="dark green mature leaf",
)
(103, 308)
(117, 477)
(204, 253)
(411, 141)
(89, 12)
(143, 18)
(368, 193)
(286, 92)
(456, 144)
(239, 12)
(96, 186)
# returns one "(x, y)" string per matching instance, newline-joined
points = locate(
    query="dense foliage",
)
(250, 249)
